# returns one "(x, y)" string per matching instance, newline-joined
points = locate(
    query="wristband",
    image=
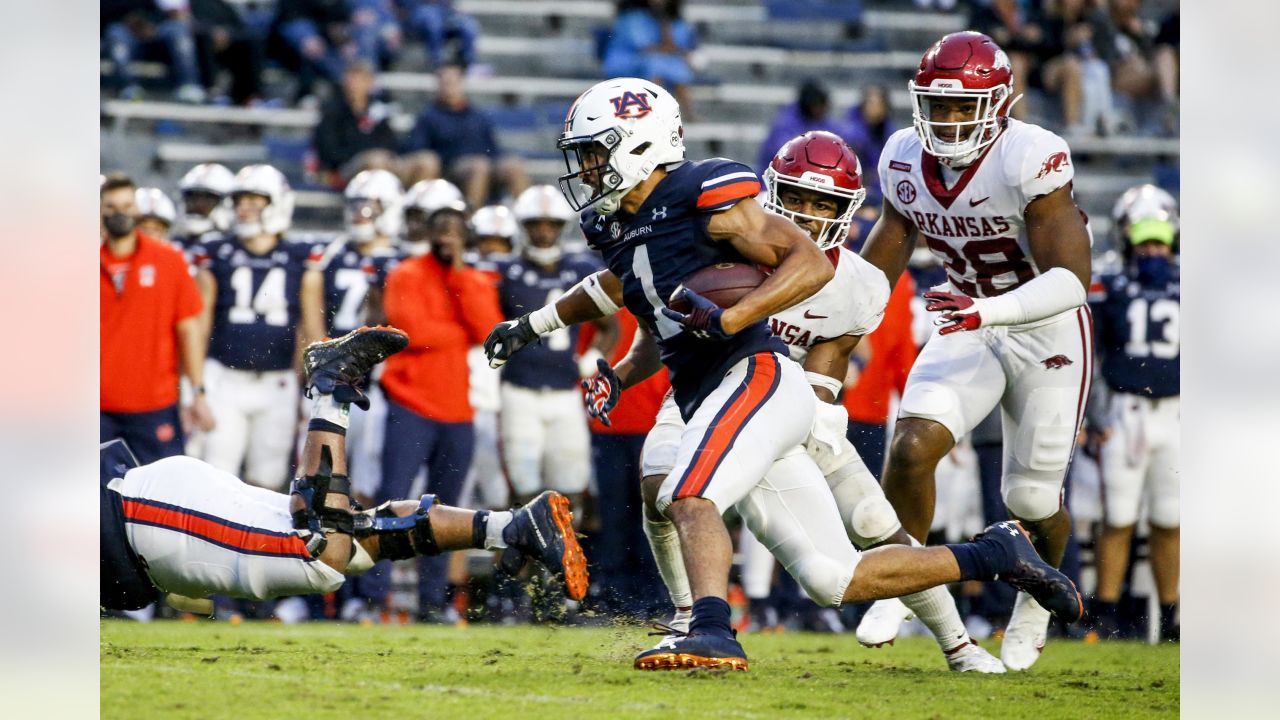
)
(824, 381)
(545, 320)
(605, 304)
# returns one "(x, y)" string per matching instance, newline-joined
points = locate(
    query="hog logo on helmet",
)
(1053, 163)
(961, 69)
(821, 162)
(631, 105)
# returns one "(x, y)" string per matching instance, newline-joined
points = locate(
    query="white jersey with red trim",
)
(852, 303)
(975, 224)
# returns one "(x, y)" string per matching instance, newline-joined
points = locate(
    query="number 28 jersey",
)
(256, 309)
(976, 227)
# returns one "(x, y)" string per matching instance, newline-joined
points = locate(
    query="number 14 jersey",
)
(975, 224)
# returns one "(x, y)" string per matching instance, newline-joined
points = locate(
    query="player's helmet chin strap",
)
(316, 520)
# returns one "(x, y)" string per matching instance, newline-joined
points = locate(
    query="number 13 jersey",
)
(975, 225)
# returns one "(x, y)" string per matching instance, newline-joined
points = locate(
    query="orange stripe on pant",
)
(233, 538)
(760, 383)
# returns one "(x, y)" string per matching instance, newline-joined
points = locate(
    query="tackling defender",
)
(180, 526)
(658, 219)
(991, 197)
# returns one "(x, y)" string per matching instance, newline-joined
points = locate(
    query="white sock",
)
(937, 610)
(498, 519)
(665, 543)
(325, 408)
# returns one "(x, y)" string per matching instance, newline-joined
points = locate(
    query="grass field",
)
(217, 670)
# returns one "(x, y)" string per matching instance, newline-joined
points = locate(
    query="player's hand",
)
(601, 392)
(199, 415)
(508, 338)
(958, 312)
(703, 319)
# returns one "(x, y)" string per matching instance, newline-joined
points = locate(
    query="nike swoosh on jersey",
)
(976, 203)
(809, 316)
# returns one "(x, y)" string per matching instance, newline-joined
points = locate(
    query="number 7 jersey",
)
(976, 226)
(256, 309)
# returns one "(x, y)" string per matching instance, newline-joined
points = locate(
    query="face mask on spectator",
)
(118, 225)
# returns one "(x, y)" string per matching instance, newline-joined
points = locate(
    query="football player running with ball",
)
(658, 219)
(991, 197)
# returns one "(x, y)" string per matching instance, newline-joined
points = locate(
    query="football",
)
(723, 284)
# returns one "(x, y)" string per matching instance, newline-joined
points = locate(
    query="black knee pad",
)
(400, 538)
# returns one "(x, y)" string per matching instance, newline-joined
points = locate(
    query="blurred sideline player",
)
(184, 528)
(1137, 312)
(658, 219)
(202, 198)
(342, 291)
(493, 237)
(542, 427)
(991, 197)
(156, 213)
(423, 200)
(251, 280)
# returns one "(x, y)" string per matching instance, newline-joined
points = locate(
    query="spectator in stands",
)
(1129, 44)
(354, 132)
(133, 29)
(375, 28)
(313, 38)
(1167, 69)
(1015, 26)
(438, 23)
(445, 307)
(1067, 63)
(461, 139)
(810, 111)
(869, 129)
(150, 321)
(650, 40)
(225, 41)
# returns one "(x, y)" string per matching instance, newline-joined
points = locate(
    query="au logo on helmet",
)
(631, 105)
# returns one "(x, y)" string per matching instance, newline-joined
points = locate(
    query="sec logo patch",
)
(906, 192)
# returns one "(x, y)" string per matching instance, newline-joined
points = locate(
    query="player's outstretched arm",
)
(774, 241)
(597, 296)
(890, 242)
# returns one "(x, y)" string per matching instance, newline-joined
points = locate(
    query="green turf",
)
(324, 670)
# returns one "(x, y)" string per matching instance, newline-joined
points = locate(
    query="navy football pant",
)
(151, 435)
(412, 441)
(869, 439)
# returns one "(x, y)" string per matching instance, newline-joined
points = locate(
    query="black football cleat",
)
(1031, 574)
(543, 530)
(680, 650)
(340, 366)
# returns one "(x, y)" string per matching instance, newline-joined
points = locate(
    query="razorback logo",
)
(1053, 163)
(1057, 361)
(631, 105)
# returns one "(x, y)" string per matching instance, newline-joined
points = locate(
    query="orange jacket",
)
(138, 323)
(445, 311)
(893, 351)
(638, 406)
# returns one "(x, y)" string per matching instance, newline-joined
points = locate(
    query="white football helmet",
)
(636, 123)
(270, 183)
(542, 202)
(431, 196)
(496, 221)
(212, 179)
(374, 195)
(153, 203)
(1145, 202)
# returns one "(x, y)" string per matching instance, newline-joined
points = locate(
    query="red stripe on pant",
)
(215, 532)
(762, 378)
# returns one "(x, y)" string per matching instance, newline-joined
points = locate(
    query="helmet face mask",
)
(270, 217)
(203, 193)
(372, 208)
(590, 175)
(961, 96)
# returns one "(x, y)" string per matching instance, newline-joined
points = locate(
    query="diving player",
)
(991, 197)
(251, 280)
(181, 527)
(657, 219)
(1139, 351)
(543, 430)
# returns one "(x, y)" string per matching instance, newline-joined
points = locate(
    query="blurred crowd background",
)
(459, 103)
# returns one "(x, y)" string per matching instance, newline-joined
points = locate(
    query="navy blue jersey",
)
(255, 312)
(663, 243)
(523, 287)
(348, 276)
(1138, 340)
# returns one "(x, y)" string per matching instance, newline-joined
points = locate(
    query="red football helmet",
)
(967, 65)
(822, 162)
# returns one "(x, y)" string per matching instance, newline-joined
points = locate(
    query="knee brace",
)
(1041, 444)
(316, 519)
(1029, 499)
(873, 521)
(824, 580)
(399, 538)
(933, 401)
